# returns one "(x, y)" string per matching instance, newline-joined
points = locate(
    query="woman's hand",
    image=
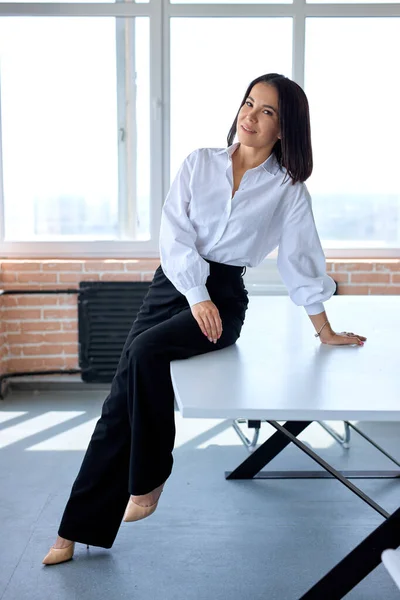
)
(343, 338)
(208, 319)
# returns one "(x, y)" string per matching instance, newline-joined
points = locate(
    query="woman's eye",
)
(266, 111)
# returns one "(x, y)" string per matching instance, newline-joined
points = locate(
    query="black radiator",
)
(106, 312)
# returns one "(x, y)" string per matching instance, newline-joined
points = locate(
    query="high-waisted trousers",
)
(130, 451)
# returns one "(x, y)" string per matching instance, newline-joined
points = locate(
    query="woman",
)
(227, 209)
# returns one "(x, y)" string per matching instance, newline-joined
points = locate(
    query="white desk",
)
(278, 371)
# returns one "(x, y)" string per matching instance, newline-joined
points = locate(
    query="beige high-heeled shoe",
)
(135, 512)
(59, 555)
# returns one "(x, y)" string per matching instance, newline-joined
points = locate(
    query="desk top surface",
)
(278, 370)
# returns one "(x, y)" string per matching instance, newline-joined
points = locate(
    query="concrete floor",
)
(209, 538)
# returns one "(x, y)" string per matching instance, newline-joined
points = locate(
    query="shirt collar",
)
(271, 164)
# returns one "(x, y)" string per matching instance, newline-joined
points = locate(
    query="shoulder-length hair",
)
(293, 150)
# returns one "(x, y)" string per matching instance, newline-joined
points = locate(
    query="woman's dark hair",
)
(293, 151)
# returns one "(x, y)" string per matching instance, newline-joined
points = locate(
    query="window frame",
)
(160, 12)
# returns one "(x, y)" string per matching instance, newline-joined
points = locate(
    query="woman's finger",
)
(202, 325)
(214, 326)
(209, 326)
(218, 325)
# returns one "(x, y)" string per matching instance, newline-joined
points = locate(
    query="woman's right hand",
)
(208, 319)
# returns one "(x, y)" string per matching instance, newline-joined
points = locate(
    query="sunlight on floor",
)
(6, 416)
(196, 433)
(76, 438)
(16, 433)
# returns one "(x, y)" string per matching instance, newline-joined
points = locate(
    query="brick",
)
(388, 266)
(353, 289)
(21, 266)
(370, 278)
(71, 277)
(70, 325)
(12, 326)
(68, 300)
(35, 363)
(60, 313)
(40, 326)
(9, 301)
(21, 314)
(61, 266)
(395, 278)
(121, 276)
(341, 277)
(90, 277)
(37, 277)
(29, 337)
(61, 285)
(8, 277)
(330, 265)
(71, 362)
(17, 285)
(387, 290)
(147, 276)
(353, 266)
(43, 349)
(14, 351)
(148, 264)
(106, 265)
(70, 349)
(33, 300)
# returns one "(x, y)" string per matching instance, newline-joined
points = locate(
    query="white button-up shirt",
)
(201, 220)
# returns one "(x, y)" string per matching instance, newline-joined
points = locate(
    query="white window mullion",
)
(128, 203)
(157, 106)
(122, 124)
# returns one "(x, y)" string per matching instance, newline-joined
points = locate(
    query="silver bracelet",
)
(317, 334)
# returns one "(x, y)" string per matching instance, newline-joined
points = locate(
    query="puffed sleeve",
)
(180, 260)
(301, 260)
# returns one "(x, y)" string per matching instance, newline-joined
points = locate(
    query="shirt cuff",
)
(315, 309)
(197, 294)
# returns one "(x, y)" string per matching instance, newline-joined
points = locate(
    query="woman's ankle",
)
(150, 498)
(61, 542)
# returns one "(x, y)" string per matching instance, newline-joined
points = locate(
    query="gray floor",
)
(209, 538)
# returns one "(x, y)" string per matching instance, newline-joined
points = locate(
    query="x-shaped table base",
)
(367, 555)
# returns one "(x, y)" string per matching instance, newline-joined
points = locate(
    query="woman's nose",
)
(252, 116)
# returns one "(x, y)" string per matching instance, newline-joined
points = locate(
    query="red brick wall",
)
(41, 332)
(3, 348)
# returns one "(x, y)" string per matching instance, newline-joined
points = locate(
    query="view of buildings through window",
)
(66, 168)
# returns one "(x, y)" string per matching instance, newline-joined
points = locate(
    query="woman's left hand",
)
(344, 338)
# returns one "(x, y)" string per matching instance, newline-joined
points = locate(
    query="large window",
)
(99, 105)
(354, 94)
(75, 153)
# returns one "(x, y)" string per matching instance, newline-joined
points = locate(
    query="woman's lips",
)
(246, 131)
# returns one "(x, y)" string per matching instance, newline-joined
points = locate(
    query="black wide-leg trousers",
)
(130, 451)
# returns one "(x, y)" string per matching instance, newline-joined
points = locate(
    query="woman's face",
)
(258, 123)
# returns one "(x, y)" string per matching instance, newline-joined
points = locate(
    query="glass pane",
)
(230, 1)
(353, 1)
(208, 81)
(354, 95)
(90, 1)
(64, 138)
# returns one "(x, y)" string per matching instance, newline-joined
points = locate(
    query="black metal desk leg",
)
(267, 451)
(359, 563)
